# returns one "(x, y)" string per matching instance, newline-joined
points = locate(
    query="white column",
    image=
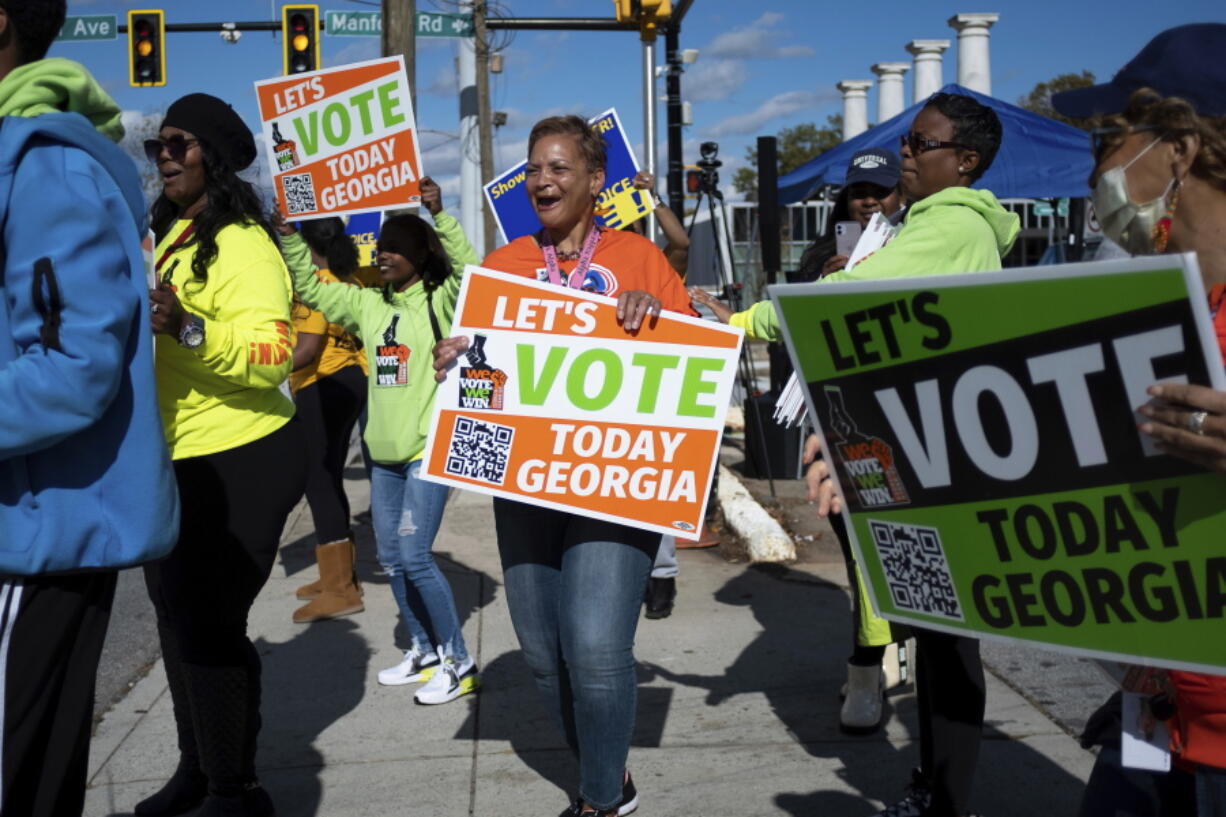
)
(927, 79)
(470, 147)
(974, 63)
(855, 106)
(889, 89)
(649, 119)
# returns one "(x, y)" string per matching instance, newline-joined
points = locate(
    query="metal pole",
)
(676, 161)
(768, 207)
(649, 116)
(400, 37)
(470, 145)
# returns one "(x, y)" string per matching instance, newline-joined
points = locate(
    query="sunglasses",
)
(176, 147)
(919, 145)
(1112, 136)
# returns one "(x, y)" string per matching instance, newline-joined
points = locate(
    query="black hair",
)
(327, 237)
(413, 238)
(230, 201)
(37, 24)
(976, 127)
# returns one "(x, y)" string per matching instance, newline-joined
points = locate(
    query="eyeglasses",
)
(176, 147)
(1112, 136)
(919, 145)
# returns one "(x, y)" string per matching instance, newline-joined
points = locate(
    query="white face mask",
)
(1125, 222)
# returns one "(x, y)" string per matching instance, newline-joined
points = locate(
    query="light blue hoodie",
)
(85, 478)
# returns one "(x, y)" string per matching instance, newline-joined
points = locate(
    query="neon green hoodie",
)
(955, 230)
(59, 85)
(398, 338)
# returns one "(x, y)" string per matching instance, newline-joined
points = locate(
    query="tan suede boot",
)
(310, 591)
(340, 594)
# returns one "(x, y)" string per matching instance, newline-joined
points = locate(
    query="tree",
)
(1039, 99)
(797, 145)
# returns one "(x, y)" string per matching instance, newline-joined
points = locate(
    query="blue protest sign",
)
(513, 211)
(363, 228)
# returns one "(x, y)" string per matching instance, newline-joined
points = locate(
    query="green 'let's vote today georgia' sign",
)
(983, 431)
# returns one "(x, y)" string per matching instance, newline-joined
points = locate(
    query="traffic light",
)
(300, 31)
(146, 48)
(626, 10)
(656, 10)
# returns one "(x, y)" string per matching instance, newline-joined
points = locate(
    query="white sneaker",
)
(450, 681)
(415, 668)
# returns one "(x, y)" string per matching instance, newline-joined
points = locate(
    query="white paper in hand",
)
(875, 236)
(1138, 751)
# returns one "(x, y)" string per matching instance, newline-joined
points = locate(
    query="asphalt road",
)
(131, 642)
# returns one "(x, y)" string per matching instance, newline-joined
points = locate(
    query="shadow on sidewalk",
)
(310, 682)
(511, 709)
(798, 663)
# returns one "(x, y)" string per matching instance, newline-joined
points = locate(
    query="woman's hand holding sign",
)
(1187, 422)
(445, 353)
(633, 306)
(819, 480)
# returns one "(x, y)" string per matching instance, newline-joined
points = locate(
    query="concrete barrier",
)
(765, 539)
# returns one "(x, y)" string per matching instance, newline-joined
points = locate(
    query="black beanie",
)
(209, 118)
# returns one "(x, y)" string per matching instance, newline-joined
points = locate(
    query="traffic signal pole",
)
(676, 167)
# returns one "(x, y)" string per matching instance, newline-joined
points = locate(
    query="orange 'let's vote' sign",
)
(555, 404)
(341, 140)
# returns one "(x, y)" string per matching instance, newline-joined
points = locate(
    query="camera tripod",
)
(730, 291)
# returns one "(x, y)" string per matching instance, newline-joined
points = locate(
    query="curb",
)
(764, 538)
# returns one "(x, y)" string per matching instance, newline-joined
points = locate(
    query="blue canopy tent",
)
(1039, 158)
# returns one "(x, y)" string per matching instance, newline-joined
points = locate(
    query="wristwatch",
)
(191, 336)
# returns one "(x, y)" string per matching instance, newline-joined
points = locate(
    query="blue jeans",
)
(574, 586)
(406, 512)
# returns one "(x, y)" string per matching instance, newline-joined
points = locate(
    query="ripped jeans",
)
(406, 512)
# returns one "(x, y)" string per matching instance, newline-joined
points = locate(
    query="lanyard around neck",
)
(585, 258)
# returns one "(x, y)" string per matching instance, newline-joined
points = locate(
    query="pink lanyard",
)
(585, 258)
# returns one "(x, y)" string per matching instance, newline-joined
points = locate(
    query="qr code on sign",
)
(916, 569)
(299, 193)
(479, 450)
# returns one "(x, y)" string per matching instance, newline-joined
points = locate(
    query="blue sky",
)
(762, 65)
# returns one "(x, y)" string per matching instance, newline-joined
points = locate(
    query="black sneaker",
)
(915, 804)
(659, 598)
(627, 805)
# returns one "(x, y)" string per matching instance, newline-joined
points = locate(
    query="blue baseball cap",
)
(1186, 61)
(876, 165)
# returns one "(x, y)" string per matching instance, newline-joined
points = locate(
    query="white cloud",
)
(778, 106)
(759, 40)
(712, 80)
(444, 83)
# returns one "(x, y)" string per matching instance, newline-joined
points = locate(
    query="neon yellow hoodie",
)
(955, 230)
(224, 394)
(54, 85)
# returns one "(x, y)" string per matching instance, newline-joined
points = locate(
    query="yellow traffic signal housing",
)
(300, 32)
(626, 10)
(146, 48)
(657, 10)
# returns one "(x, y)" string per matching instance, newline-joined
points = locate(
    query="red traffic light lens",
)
(692, 181)
(143, 28)
(298, 23)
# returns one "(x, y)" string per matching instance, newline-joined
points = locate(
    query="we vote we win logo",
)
(481, 385)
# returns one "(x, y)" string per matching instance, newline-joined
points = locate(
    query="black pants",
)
(51, 634)
(951, 692)
(328, 410)
(233, 507)
(861, 655)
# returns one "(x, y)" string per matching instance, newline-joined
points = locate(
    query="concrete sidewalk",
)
(738, 707)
